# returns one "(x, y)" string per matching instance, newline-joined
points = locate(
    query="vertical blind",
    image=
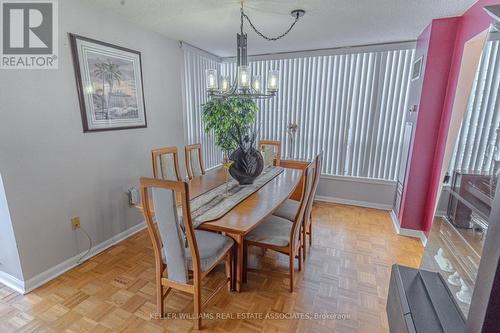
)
(478, 133)
(194, 67)
(351, 106)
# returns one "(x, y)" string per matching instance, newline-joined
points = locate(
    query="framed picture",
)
(109, 83)
(417, 68)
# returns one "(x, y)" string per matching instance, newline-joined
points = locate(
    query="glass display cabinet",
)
(455, 243)
(457, 286)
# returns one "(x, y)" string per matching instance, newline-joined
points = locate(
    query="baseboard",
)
(395, 221)
(72, 262)
(414, 233)
(407, 232)
(342, 201)
(441, 213)
(12, 282)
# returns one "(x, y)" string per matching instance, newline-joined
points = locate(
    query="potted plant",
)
(231, 120)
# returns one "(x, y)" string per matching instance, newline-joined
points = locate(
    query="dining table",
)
(245, 216)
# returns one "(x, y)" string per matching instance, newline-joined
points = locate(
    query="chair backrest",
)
(172, 236)
(166, 163)
(271, 151)
(318, 164)
(308, 174)
(194, 160)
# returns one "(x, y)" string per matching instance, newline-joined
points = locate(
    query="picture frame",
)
(110, 85)
(417, 68)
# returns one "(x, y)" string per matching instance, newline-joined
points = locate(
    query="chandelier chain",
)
(243, 15)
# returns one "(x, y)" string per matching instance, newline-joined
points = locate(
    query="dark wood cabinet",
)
(420, 301)
(470, 200)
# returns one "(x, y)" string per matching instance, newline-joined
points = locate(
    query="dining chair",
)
(290, 207)
(166, 163)
(194, 160)
(183, 256)
(278, 234)
(308, 213)
(271, 151)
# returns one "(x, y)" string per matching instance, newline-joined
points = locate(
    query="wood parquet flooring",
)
(347, 271)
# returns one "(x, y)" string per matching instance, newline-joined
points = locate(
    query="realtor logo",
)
(29, 34)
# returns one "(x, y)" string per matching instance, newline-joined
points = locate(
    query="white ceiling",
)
(212, 24)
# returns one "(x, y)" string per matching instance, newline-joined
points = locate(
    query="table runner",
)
(215, 203)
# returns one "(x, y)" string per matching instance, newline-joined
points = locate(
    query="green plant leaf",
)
(227, 118)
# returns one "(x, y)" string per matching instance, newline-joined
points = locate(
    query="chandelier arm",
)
(243, 15)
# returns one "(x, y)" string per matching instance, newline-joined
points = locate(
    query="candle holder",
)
(292, 129)
(226, 163)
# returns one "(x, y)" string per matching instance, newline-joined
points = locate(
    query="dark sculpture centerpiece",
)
(247, 161)
(231, 119)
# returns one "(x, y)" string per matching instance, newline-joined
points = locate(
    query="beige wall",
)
(52, 171)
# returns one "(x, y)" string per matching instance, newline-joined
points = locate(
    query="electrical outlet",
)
(75, 222)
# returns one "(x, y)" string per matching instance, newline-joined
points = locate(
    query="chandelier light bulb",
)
(225, 85)
(212, 79)
(257, 83)
(272, 81)
(243, 77)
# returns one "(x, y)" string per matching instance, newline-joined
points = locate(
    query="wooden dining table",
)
(249, 213)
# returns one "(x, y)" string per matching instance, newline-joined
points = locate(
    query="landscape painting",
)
(109, 82)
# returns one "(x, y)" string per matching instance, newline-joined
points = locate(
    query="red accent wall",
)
(472, 23)
(436, 102)
(436, 44)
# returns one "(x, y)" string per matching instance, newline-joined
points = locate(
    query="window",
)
(351, 105)
(195, 65)
(476, 143)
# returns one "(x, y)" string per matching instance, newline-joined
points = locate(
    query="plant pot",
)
(247, 165)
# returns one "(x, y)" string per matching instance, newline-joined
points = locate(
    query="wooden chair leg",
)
(228, 266)
(233, 277)
(304, 241)
(197, 305)
(299, 257)
(292, 269)
(159, 296)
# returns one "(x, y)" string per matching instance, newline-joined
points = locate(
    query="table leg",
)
(239, 260)
(245, 264)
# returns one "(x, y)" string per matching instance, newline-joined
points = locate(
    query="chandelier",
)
(244, 84)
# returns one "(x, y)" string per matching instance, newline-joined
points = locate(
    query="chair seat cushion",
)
(274, 230)
(211, 248)
(288, 210)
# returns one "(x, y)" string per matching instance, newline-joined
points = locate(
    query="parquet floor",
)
(347, 272)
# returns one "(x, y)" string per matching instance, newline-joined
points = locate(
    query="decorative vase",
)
(247, 164)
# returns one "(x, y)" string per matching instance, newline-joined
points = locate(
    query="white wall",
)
(9, 256)
(52, 170)
(364, 192)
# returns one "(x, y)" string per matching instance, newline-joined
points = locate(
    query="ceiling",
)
(212, 24)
